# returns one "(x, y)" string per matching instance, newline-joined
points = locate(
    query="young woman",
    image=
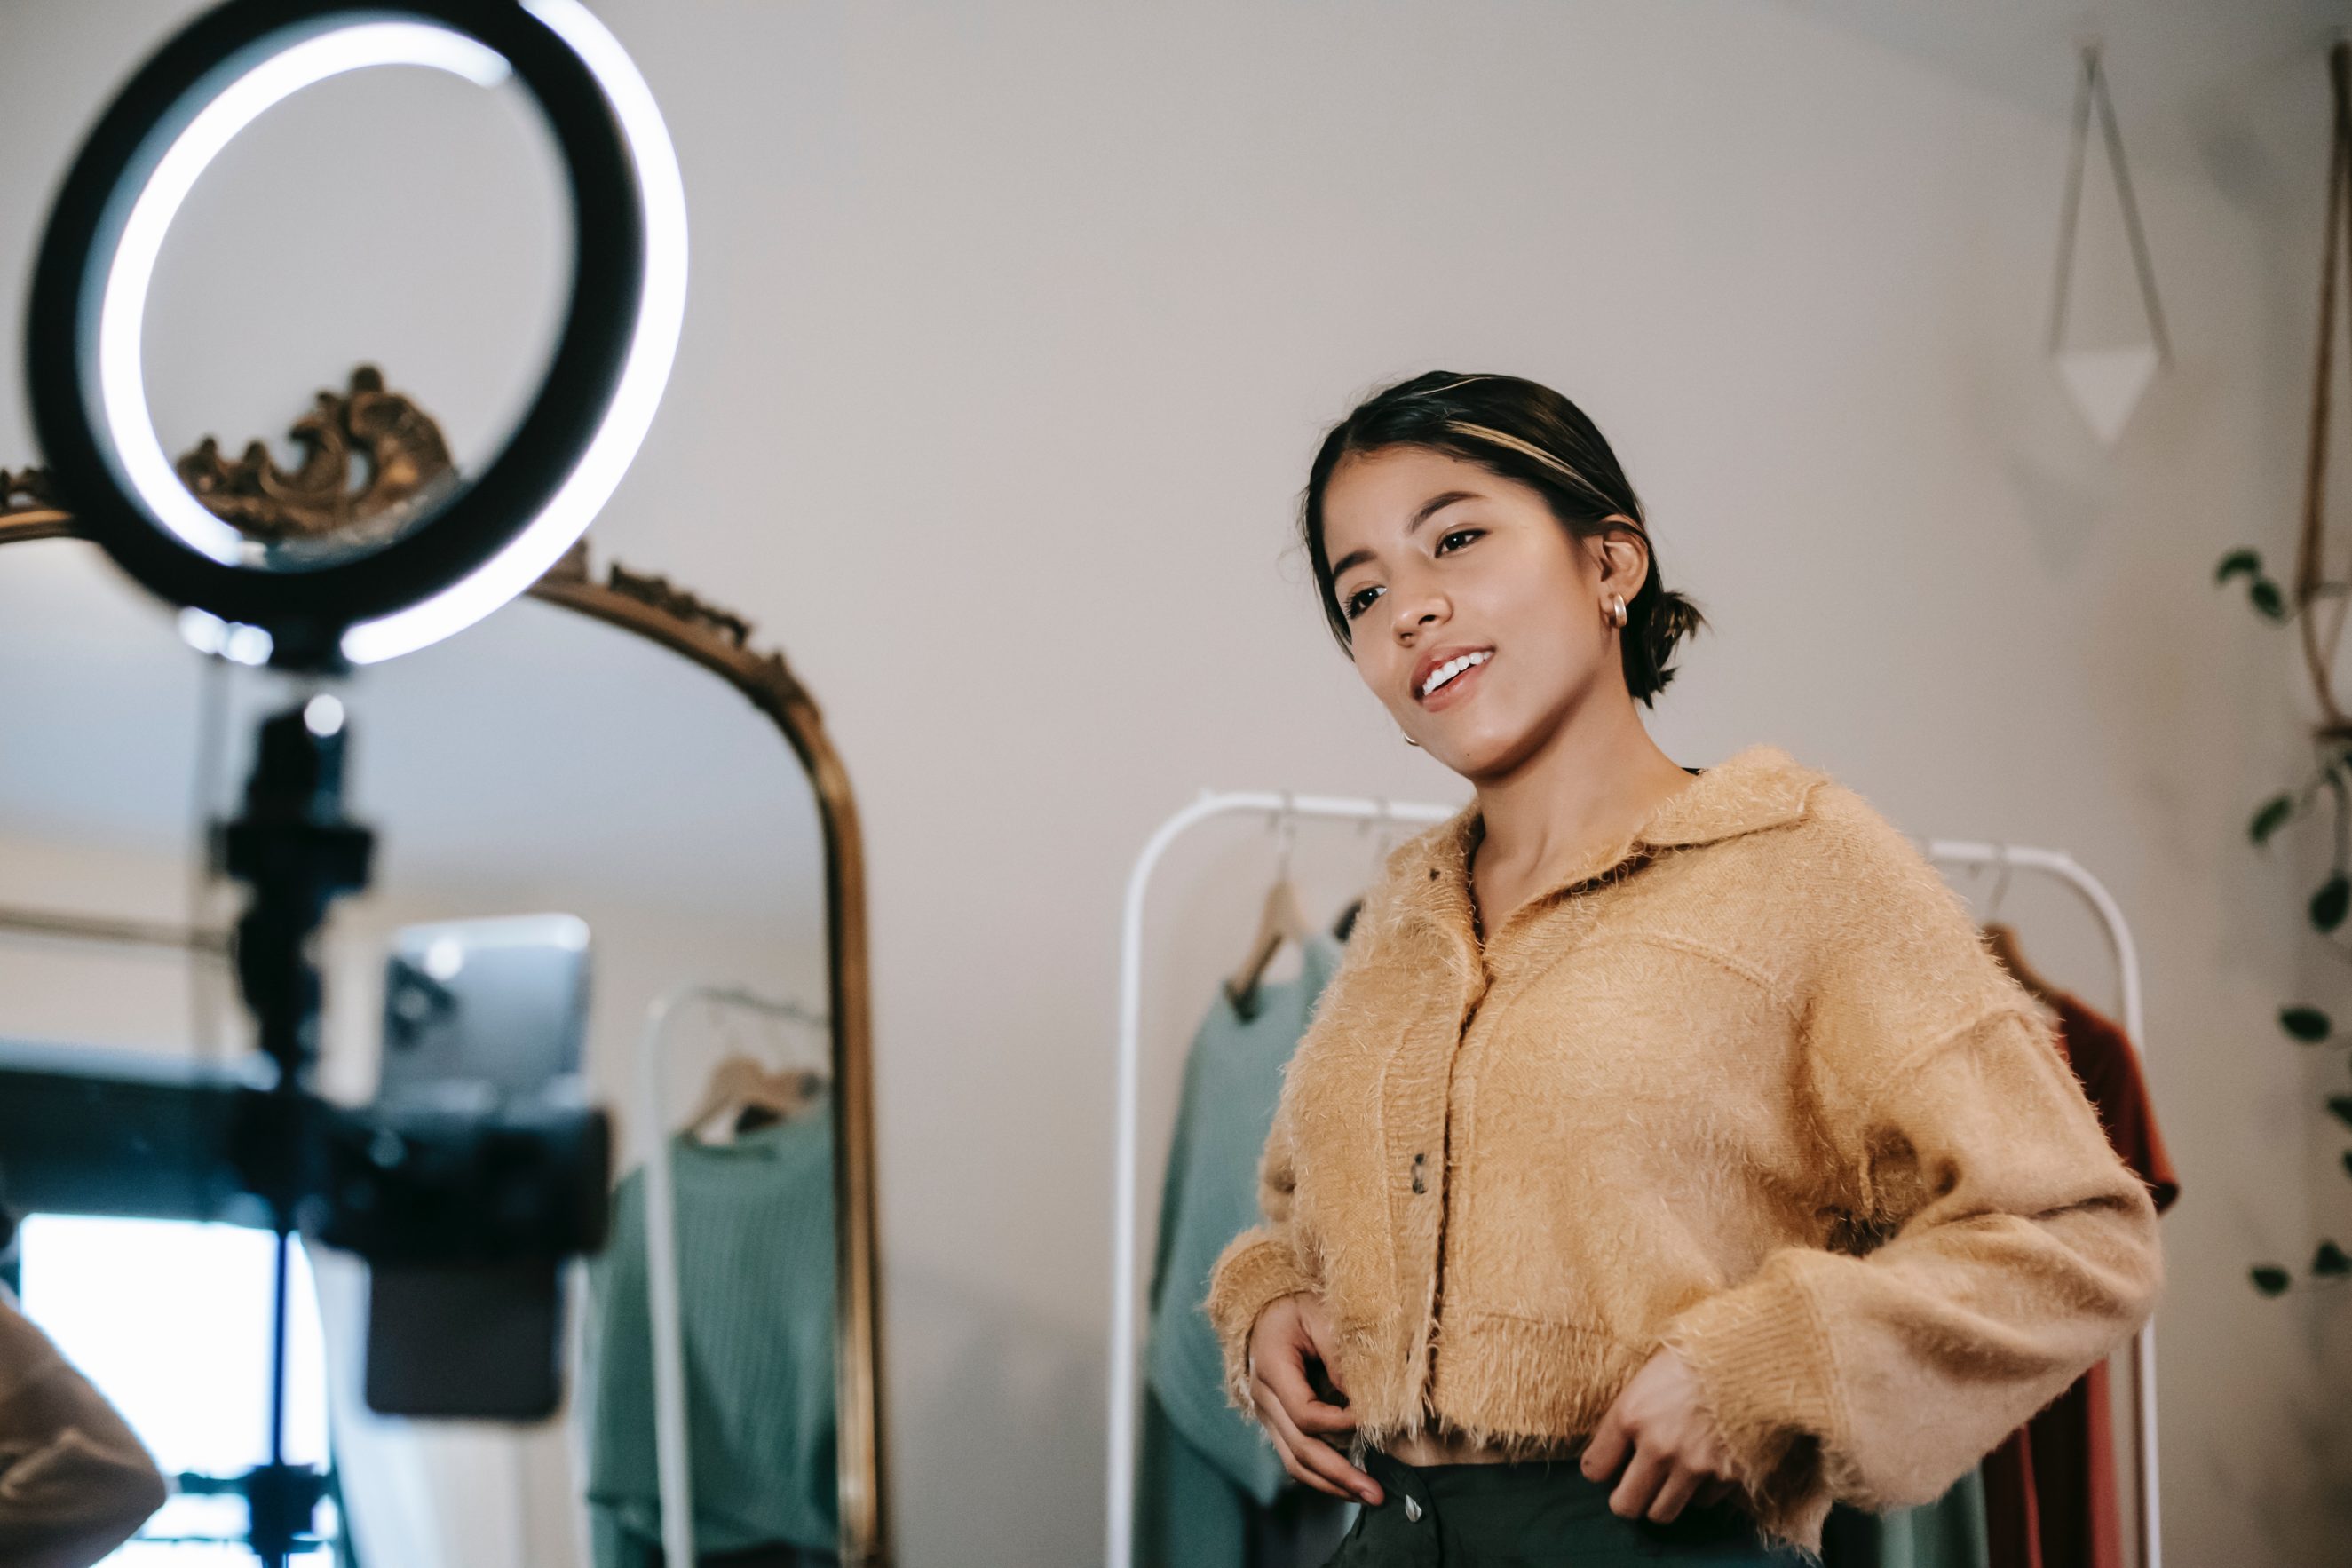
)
(1668, 1157)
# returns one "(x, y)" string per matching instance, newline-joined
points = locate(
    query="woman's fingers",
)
(1286, 1335)
(1317, 1463)
(1607, 1449)
(1303, 1476)
(1313, 1415)
(1315, 1324)
(1639, 1485)
(1715, 1491)
(1680, 1484)
(1285, 1377)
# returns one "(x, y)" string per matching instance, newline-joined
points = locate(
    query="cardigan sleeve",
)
(1260, 1266)
(2015, 1249)
(74, 1481)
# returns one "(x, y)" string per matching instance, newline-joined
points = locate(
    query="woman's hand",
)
(1288, 1333)
(1677, 1453)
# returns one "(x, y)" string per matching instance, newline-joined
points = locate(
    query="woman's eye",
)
(1464, 535)
(1361, 600)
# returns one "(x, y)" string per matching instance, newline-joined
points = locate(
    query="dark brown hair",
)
(1522, 431)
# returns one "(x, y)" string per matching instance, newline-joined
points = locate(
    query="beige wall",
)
(1013, 327)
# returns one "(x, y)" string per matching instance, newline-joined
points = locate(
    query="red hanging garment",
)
(2049, 1489)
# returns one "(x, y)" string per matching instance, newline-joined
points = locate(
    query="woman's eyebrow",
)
(1436, 504)
(1426, 510)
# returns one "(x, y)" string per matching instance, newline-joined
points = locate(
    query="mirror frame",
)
(720, 642)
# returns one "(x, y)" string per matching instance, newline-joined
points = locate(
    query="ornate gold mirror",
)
(570, 753)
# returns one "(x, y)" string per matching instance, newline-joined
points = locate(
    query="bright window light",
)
(171, 1321)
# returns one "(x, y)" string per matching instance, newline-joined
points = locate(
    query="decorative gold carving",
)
(572, 566)
(663, 595)
(26, 489)
(767, 670)
(28, 507)
(372, 461)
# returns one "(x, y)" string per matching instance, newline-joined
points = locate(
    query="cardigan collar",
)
(1752, 790)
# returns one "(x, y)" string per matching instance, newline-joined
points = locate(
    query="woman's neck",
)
(1598, 777)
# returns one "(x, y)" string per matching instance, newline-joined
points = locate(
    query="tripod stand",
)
(297, 852)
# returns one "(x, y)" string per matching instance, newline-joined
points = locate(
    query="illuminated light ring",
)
(505, 527)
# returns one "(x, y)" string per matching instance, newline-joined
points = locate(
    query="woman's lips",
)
(1457, 690)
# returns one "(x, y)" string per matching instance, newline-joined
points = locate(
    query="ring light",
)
(503, 531)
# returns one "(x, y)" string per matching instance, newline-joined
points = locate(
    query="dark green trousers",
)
(1534, 1515)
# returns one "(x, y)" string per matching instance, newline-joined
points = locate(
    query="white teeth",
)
(1447, 671)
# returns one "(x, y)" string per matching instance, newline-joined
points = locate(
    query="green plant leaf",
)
(2330, 1262)
(2341, 1104)
(2267, 598)
(2269, 1278)
(2271, 818)
(2308, 1024)
(2332, 903)
(2249, 562)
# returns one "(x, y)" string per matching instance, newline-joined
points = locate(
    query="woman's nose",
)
(1416, 615)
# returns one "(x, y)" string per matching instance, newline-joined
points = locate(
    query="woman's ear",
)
(1623, 560)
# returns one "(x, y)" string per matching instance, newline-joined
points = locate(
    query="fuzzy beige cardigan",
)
(1746, 1084)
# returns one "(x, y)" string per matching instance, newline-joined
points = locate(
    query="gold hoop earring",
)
(1617, 611)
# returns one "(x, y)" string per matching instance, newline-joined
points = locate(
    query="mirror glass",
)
(543, 762)
(392, 214)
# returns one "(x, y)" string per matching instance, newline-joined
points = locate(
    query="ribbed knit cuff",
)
(1760, 1357)
(1255, 1270)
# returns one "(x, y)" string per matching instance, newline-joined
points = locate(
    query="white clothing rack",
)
(1126, 1331)
(2058, 864)
(673, 1461)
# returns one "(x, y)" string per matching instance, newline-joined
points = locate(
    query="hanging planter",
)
(2107, 382)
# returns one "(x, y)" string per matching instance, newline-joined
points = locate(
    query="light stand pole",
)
(299, 853)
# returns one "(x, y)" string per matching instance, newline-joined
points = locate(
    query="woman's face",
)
(1442, 565)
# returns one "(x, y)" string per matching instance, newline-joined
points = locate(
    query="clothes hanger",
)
(1383, 843)
(1282, 918)
(742, 1094)
(1343, 925)
(2001, 939)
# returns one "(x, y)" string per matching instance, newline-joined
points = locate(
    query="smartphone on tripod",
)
(484, 1021)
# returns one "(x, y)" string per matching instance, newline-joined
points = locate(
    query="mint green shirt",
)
(755, 1239)
(1233, 1081)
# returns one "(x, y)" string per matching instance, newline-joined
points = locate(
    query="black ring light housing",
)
(306, 609)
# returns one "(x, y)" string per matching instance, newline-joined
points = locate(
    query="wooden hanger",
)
(1343, 925)
(740, 1085)
(1283, 918)
(2000, 938)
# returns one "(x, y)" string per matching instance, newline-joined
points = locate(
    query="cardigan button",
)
(1420, 1163)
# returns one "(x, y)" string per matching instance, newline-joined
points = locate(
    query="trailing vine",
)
(2316, 604)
